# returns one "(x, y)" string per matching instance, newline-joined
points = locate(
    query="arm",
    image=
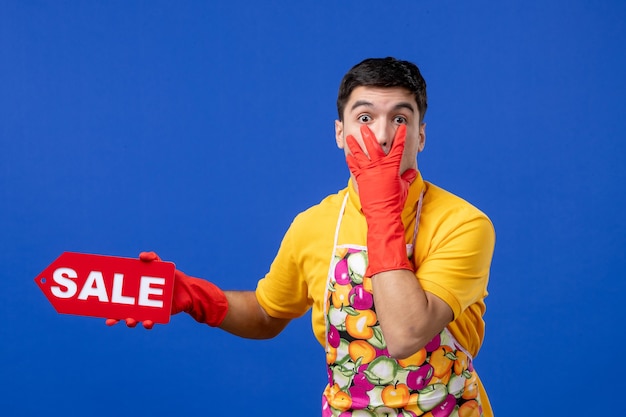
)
(409, 316)
(237, 312)
(412, 310)
(246, 318)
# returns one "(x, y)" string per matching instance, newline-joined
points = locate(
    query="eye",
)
(365, 118)
(401, 120)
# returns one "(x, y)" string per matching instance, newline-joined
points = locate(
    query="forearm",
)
(409, 316)
(246, 318)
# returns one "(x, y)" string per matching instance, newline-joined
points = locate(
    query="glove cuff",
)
(386, 249)
(203, 300)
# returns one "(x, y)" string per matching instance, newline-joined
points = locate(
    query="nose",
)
(384, 133)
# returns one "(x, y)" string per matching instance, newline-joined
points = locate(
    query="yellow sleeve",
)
(283, 293)
(457, 267)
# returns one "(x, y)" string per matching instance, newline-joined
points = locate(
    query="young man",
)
(394, 268)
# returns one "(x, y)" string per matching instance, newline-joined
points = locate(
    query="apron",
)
(363, 380)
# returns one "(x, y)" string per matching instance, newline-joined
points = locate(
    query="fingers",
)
(147, 324)
(131, 322)
(374, 149)
(356, 158)
(149, 256)
(399, 140)
(355, 149)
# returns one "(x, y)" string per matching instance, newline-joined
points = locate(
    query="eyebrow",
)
(401, 105)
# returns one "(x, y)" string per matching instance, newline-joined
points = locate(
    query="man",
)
(394, 268)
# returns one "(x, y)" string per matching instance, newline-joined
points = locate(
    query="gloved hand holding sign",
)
(109, 286)
(383, 192)
(138, 290)
(201, 299)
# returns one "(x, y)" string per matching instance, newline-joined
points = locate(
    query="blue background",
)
(200, 129)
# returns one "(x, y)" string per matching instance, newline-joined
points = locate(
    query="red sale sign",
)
(109, 287)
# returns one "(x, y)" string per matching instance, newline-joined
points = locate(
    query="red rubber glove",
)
(201, 299)
(383, 192)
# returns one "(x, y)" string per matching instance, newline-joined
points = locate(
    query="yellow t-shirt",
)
(452, 253)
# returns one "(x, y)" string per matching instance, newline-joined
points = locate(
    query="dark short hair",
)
(383, 72)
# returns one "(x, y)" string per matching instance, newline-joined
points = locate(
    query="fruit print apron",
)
(363, 380)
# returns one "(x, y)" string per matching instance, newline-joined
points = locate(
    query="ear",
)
(339, 134)
(422, 139)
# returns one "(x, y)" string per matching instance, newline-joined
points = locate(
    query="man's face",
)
(383, 109)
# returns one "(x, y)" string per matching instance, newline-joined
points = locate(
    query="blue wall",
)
(199, 129)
